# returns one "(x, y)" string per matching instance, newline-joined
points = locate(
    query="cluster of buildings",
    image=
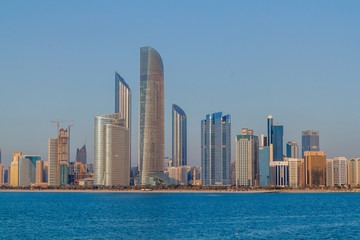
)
(112, 134)
(30, 170)
(262, 161)
(259, 160)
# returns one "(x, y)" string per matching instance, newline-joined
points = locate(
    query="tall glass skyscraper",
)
(112, 140)
(310, 141)
(269, 130)
(151, 118)
(111, 151)
(123, 104)
(277, 139)
(123, 99)
(179, 137)
(215, 149)
(264, 165)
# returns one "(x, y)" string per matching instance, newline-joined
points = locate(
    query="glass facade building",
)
(111, 151)
(112, 140)
(81, 154)
(292, 150)
(123, 104)
(151, 118)
(215, 149)
(179, 137)
(277, 139)
(247, 159)
(269, 139)
(264, 165)
(310, 141)
(123, 99)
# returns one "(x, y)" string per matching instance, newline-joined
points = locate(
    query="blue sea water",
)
(42, 215)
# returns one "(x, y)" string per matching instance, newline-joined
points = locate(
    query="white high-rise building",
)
(111, 151)
(53, 161)
(112, 140)
(295, 171)
(340, 171)
(336, 172)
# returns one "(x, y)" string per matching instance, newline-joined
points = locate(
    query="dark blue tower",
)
(278, 133)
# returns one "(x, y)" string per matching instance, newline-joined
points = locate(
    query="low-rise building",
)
(279, 173)
(179, 175)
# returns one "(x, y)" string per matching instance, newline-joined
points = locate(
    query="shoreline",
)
(175, 191)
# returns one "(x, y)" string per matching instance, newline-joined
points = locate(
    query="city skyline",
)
(200, 79)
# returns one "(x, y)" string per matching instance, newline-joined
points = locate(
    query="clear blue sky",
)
(296, 60)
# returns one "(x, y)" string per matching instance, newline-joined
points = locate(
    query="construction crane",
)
(58, 124)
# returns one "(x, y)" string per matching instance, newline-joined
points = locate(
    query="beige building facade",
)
(314, 169)
(14, 179)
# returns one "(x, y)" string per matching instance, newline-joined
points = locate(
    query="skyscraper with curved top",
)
(179, 137)
(151, 117)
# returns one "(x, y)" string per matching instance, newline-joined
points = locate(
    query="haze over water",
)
(33, 215)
